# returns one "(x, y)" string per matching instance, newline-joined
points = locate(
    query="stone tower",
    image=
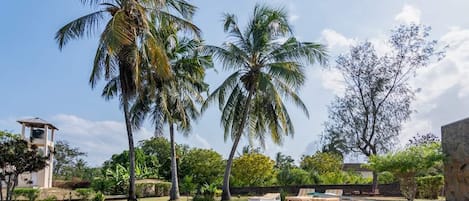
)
(455, 142)
(40, 133)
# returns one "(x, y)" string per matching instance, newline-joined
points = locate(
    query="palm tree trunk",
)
(132, 195)
(174, 194)
(226, 195)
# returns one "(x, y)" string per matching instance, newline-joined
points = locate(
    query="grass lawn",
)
(184, 198)
(245, 198)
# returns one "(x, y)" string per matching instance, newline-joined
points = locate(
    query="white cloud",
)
(293, 17)
(198, 141)
(440, 84)
(100, 139)
(411, 128)
(331, 79)
(450, 72)
(409, 14)
(335, 41)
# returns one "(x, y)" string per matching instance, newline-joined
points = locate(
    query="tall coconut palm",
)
(125, 44)
(173, 101)
(268, 64)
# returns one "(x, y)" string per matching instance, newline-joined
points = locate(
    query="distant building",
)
(40, 133)
(357, 168)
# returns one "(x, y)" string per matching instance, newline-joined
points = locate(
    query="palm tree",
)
(173, 101)
(126, 46)
(268, 64)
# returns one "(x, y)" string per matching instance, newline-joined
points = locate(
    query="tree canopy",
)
(205, 166)
(253, 169)
(322, 162)
(17, 156)
(267, 66)
(368, 117)
(406, 164)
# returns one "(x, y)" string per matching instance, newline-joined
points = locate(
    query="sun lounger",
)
(303, 195)
(334, 192)
(305, 191)
(266, 197)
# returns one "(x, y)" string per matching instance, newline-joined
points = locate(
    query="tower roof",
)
(36, 122)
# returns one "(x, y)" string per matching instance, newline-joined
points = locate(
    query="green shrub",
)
(29, 193)
(356, 178)
(187, 186)
(84, 193)
(99, 197)
(145, 190)
(108, 186)
(283, 194)
(429, 187)
(208, 193)
(386, 178)
(103, 185)
(50, 198)
(295, 176)
(162, 189)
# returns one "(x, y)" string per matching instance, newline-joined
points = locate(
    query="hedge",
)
(152, 189)
(31, 193)
(429, 187)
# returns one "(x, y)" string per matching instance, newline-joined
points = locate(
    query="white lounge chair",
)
(266, 197)
(305, 192)
(334, 192)
(303, 195)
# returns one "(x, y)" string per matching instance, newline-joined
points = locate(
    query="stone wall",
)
(455, 143)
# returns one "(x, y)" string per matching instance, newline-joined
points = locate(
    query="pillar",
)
(22, 131)
(46, 151)
(455, 143)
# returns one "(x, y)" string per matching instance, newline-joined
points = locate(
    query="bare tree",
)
(424, 139)
(368, 117)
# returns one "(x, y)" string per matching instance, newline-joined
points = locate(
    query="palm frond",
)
(219, 93)
(229, 58)
(304, 52)
(183, 24)
(110, 90)
(83, 26)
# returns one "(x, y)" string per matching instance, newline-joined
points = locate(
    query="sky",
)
(39, 80)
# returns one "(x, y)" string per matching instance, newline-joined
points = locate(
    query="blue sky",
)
(39, 80)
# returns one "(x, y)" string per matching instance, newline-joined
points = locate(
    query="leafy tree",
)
(368, 117)
(283, 161)
(249, 149)
(17, 156)
(126, 47)
(141, 159)
(173, 101)
(296, 176)
(407, 164)
(252, 170)
(160, 147)
(66, 159)
(334, 143)
(322, 162)
(268, 63)
(205, 166)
